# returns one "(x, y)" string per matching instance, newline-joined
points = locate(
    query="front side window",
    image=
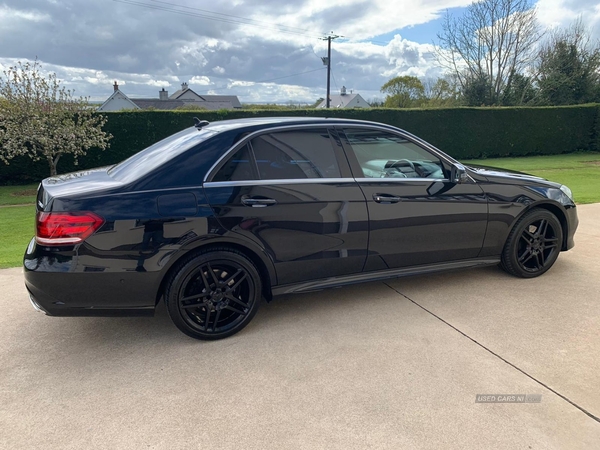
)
(295, 155)
(386, 155)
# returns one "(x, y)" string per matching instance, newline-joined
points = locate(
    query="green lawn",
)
(18, 195)
(16, 230)
(579, 171)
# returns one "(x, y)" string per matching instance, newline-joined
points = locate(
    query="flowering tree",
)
(43, 120)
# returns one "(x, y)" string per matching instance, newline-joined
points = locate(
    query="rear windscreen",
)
(154, 156)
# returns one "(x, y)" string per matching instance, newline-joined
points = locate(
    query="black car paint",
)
(319, 234)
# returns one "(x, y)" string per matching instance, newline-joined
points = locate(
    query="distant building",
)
(345, 100)
(184, 96)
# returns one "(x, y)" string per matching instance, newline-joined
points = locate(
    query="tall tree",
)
(43, 120)
(441, 92)
(403, 92)
(488, 45)
(568, 68)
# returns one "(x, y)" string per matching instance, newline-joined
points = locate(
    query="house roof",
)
(116, 93)
(341, 101)
(145, 103)
(235, 102)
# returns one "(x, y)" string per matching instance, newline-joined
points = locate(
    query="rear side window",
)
(237, 168)
(295, 155)
(284, 155)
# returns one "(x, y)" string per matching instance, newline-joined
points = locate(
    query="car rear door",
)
(291, 191)
(417, 216)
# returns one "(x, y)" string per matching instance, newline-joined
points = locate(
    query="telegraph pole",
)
(327, 62)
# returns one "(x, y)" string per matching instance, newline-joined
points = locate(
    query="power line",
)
(241, 21)
(229, 15)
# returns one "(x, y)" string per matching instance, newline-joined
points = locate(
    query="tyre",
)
(533, 244)
(214, 294)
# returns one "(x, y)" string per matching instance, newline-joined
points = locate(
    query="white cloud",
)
(202, 81)
(8, 16)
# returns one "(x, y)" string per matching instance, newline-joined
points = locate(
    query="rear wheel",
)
(533, 244)
(214, 294)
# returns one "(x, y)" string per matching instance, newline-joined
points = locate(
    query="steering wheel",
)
(395, 164)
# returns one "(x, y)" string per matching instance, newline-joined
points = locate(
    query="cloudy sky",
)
(260, 50)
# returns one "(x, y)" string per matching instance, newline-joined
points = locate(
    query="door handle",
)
(258, 202)
(386, 198)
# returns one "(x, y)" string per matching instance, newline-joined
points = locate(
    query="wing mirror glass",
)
(458, 174)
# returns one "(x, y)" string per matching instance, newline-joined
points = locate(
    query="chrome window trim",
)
(398, 179)
(215, 184)
(235, 147)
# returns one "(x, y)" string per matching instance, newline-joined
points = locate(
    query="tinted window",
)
(154, 156)
(295, 155)
(237, 168)
(387, 155)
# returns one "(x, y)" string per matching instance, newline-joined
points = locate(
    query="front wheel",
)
(533, 244)
(214, 294)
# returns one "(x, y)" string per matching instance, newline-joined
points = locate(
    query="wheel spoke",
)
(204, 280)
(232, 277)
(216, 321)
(542, 228)
(194, 297)
(207, 320)
(234, 299)
(527, 237)
(237, 283)
(538, 261)
(523, 259)
(542, 259)
(235, 310)
(212, 273)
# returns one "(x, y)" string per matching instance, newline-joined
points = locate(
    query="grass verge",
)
(16, 230)
(579, 171)
(18, 195)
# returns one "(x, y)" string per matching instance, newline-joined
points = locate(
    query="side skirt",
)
(381, 275)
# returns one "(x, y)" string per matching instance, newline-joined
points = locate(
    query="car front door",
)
(416, 214)
(291, 191)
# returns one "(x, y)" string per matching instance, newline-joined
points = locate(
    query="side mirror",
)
(458, 174)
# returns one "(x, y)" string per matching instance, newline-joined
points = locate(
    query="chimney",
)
(116, 86)
(343, 90)
(163, 95)
(184, 86)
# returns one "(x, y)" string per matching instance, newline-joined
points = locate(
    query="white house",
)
(184, 96)
(345, 100)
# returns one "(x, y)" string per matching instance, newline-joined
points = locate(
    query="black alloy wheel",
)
(214, 295)
(533, 245)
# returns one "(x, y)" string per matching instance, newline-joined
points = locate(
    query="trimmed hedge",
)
(464, 133)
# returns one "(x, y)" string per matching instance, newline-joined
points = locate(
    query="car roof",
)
(270, 122)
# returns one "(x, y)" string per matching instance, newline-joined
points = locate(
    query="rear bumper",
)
(43, 303)
(58, 286)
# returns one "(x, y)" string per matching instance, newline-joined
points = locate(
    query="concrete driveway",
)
(381, 365)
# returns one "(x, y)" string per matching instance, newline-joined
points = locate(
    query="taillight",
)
(63, 228)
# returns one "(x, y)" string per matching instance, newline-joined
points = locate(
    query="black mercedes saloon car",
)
(219, 215)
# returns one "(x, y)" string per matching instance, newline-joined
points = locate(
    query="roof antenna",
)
(200, 123)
